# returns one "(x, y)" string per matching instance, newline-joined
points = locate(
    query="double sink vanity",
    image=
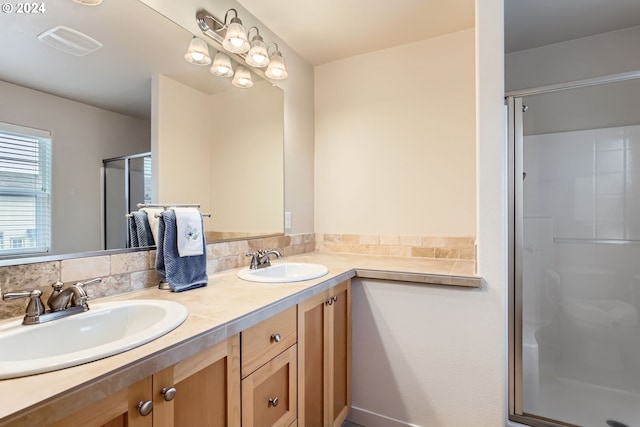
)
(268, 347)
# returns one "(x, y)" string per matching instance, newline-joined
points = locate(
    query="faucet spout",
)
(264, 259)
(260, 259)
(72, 296)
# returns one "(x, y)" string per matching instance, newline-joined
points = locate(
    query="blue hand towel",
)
(182, 273)
(132, 233)
(143, 230)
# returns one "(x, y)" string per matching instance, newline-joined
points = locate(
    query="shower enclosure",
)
(126, 182)
(575, 253)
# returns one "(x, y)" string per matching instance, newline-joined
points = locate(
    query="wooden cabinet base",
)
(269, 395)
(324, 360)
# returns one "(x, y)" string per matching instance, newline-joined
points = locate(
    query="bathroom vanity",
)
(248, 354)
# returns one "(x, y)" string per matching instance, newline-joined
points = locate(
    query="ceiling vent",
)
(69, 41)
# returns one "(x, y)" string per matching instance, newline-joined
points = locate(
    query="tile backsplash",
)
(131, 271)
(455, 248)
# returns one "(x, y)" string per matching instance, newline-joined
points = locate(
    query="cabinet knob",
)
(329, 301)
(145, 408)
(276, 337)
(168, 393)
(274, 401)
(334, 298)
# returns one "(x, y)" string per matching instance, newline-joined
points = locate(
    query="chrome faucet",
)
(61, 302)
(260, 259)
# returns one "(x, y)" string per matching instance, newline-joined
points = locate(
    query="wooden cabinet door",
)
(324, 360)
(207, 394)
(311, 366)
(339, 354)
(207, 389)
(269, 395)
(117, 410)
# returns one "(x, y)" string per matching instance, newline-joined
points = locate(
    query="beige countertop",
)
(225, 307)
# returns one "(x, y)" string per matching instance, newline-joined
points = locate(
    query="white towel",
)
(153, 220)
(189, 228)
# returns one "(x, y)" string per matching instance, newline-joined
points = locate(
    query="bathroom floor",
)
(350, 424)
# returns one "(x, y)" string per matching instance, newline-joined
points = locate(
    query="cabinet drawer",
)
(270, 395)
(262, 342)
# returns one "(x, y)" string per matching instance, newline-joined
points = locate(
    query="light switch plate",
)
(287, 220)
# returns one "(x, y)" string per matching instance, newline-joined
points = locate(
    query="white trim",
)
(612, 78)
(38, 133)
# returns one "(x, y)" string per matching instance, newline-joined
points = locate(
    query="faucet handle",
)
(89, 282)
(35, 308)
(254, 259)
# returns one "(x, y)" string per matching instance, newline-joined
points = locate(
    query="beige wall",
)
(395, 142)
(82, 136)
(439, 353)
(223, 151)
(246, 160)
(180, 149)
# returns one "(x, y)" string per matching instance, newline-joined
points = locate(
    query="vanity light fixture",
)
(276, 69)
(242, 78)
(221, 65)
(198, 52)
(89, 2)
(257, 55)
(230, 37)
(235, 39)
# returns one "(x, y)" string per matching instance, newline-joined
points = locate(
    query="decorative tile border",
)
(454, 248)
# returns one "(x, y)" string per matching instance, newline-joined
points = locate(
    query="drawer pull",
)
(274, 401)
(168, 393)
(276, 337)
(335, 298)
(329, 301)
(145, 408)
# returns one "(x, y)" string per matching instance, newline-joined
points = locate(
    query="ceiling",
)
(117, 76)
(328, 30)
(137, 43)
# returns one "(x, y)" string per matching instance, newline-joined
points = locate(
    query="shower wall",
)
(581, 285)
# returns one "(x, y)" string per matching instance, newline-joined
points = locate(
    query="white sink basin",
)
(106, 329)
(284, 272)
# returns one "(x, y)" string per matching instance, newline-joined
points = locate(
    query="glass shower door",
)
(127, 182)
(577, 245)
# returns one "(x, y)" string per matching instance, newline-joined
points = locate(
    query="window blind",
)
(25, 191)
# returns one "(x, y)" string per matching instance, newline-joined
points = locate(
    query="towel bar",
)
(168, 205)
(207, 214)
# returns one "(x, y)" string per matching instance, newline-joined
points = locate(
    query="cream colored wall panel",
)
(182, 153)
(395, 140)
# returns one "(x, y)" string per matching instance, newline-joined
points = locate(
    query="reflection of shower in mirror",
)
(126, 181)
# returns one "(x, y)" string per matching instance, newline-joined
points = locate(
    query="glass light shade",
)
(276, 69)
(242, 78)
(89, 2)
(235, 40)
(221, 65)
(257, 55)
(198, 52)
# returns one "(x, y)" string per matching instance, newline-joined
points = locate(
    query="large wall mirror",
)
(211, 143)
